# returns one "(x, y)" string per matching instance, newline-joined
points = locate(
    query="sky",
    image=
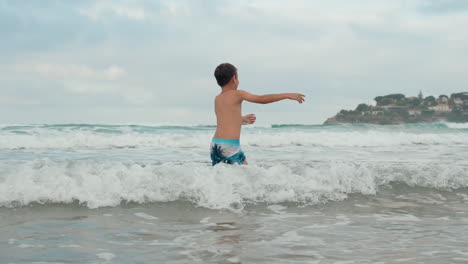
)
(152, 62)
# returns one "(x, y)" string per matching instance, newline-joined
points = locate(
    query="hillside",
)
(398, 109)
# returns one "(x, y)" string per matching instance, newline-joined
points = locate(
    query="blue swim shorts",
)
(226, 151)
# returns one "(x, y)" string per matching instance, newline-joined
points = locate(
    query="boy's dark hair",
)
(224, 73)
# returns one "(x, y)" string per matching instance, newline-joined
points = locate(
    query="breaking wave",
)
(109, 183)
(108, 137)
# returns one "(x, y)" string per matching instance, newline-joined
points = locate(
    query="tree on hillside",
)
(451, 102)
(362, 108)
(386, 101)
(430, 101)
(396, 97)
(463, 95)
(414, 103)
(403, 102)
(378, 99)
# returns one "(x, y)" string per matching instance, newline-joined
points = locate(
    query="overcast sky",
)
(152, 62)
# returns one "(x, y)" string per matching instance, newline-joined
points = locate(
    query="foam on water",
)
(109, 183)
(457, 125)
(108, 137)
(350, 159)
(146, 216)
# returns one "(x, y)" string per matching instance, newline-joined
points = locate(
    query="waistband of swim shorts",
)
(234, 142)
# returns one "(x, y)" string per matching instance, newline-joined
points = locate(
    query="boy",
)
(225, 146)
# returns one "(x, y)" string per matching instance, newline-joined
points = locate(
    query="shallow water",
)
(312, 194)
(411, 227)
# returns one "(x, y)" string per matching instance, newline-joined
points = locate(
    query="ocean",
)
(90, 193)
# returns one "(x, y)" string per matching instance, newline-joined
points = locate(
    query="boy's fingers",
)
(302, 98)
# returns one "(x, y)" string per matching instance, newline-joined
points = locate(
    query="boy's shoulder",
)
(232, 93)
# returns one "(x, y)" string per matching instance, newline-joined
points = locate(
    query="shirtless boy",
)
(225, 146)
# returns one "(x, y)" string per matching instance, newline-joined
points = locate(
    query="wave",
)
(103, 139)
(436, 125)
(138, 128)
(457, 125)
(98, 184)
(296, 126)
(156, 127)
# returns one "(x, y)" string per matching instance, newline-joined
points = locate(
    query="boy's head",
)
(224, 74)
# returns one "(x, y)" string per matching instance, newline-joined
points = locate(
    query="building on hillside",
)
(458, 101)
(388, 106)
(393, 107)
(414, 112)
(441, 108)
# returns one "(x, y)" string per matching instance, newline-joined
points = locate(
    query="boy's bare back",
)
(228, 109)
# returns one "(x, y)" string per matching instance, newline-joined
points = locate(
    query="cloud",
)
(100, 8)
(177, 8)
(157, 11)
(444, 6)
(71, 71)
(161, 54)
(7, 100)
(310, 12)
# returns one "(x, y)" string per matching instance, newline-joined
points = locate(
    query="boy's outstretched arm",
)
(270, 98)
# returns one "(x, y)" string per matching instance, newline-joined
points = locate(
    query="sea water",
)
(81, 193)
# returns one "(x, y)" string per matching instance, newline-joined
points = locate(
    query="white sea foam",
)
(400, 217)
(146, 216)
(108, 183)
(107, 256)
(29, 246)
(69, 246)
(87, 139)
(457, 125)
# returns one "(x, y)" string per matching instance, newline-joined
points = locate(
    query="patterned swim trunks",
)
(226, 151)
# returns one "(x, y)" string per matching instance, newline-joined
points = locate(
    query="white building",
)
(414, 112)
(443, 99)
(441, 108)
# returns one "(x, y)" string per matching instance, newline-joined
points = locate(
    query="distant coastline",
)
(395, 109)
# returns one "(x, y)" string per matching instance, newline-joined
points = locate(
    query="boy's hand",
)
(296, 96)
(249, 119)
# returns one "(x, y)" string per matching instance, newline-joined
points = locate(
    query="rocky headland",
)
(394, 109)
